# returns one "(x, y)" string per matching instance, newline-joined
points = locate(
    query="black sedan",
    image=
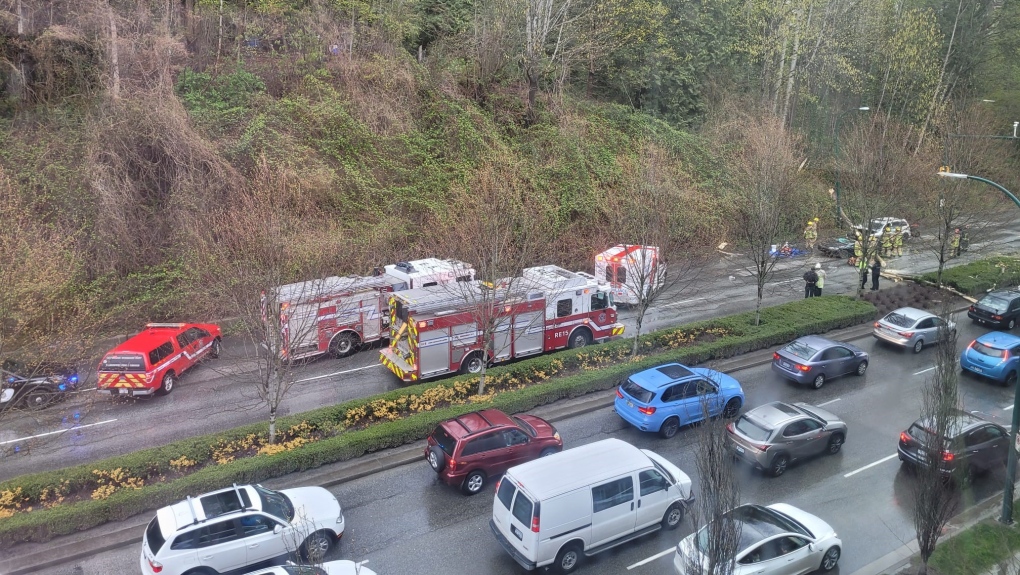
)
(35, 386)
(1000, 308)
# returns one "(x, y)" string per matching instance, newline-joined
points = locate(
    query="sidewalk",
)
(29, 557)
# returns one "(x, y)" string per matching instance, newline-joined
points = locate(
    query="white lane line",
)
(337, 373)
(924, 371)
(870, 465)
(828, 402)
(652, 558)
(682, 302)
(1007, 408)
(57, 431)
(786, 281)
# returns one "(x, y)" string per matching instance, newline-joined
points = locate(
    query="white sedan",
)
(327, 568)
(775, 540)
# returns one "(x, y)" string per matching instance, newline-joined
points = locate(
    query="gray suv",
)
(773, 435)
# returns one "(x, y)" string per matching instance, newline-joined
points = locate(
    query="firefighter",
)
(811, 234)
(954, 244)
(964, 239)
(887, 241)
(898, 242)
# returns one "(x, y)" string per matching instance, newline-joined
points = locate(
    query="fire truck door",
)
(529, 331)
(303, 326)
(371, 320)
(433, 352)
(501, 339)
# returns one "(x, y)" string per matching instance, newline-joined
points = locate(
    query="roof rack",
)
(240, 499)
(194, 516)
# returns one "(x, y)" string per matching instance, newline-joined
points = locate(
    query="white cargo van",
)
(585, 500)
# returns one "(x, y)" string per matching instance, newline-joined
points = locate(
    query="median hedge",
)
(981, 276)
(40, 506)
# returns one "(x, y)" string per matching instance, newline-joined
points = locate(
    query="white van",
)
(586, 500)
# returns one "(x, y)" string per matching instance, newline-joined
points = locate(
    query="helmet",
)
(810, 222)
(897, 229)
(816, 219)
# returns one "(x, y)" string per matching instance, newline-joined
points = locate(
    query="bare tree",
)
(935, 500)
(548, 29)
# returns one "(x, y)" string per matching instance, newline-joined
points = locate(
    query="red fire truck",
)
(630, 270)
(338, 314)
(439, 330)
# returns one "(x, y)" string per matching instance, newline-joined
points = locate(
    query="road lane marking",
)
(652, 558)
(57, 431)
(681, 302)
(828, 402)
(1007, 408)
(337, 373)
(870, 465)
(923, 371)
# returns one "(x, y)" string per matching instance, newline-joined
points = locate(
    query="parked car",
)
(666, 397)
(772, 436)
(878, 225)
(912, 328)
(240, 527)
(556, 510)
(342, 567)
(779, 539)
(842, 248)
(971, 446)
(995, 355)
(35, 385)
(813, 360)
(152, 360)
(999, 308)
(468, 450)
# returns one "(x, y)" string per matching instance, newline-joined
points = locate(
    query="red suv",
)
(153, 360)
(469, 449)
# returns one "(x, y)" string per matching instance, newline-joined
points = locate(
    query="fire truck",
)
(338, 314)
(439, 330)
(630, 271)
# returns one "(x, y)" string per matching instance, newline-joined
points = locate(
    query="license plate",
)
(978, 369)
(122, 391)
(785, 363)
(629, 404)
(738, 449)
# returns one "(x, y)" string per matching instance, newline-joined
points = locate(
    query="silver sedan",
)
(912, 328)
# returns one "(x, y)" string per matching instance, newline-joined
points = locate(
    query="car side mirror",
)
(277, 529)
(811, 547)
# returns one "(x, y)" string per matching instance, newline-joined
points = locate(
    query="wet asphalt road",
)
(404, 521)
(218, 395)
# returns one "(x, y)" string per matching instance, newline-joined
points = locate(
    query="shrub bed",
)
(39, 506)
(978, 277)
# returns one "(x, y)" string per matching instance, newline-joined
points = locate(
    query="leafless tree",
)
(935, 500)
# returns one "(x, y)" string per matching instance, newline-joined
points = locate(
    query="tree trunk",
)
(219, 39)
(114, 63)
(272, 426)
(21, 20)
(637, 330)
(793, 70)
(942, 74)
(481, 379)
(532, 94)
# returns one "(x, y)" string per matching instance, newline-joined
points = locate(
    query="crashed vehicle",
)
(35, 385)
(841, 248)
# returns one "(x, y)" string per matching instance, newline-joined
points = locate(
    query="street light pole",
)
(835, 155)
(1007, 491)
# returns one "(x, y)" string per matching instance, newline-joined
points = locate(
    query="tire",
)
(731, 409)
(344, 344)
(547, 452)
(819, 381)
(38, 399)
(214, 351)
(673, 516)
(669, 428)
(830, 559)
(568, 558)
(201, 571)
(1011, 324)
(835, 443)
(473, 483)
(437, 458)
(580, 338)
(1010, 379)
(918, 346)
(779, 464)
(169, 381)
(316, 546)
(472, 364)
(862, 368)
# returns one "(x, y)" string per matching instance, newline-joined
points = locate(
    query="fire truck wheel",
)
(168, 384)
(344, 344)
(580, 338)
(472, 364)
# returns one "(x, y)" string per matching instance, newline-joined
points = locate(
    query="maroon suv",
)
(469, 449)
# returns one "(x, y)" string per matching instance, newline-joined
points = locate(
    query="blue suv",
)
(666, 397)
(995, 355)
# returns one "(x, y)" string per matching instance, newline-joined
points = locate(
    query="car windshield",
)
(637, 392)
(813, 413)
(524, 425)
(275, 503)
(801, 350)
(752, 429)
(987, 350)
(995, 303)
(898, 319)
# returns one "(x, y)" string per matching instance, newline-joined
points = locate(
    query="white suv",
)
(241, 526)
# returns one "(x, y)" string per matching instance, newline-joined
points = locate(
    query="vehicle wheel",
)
(835, 443)
(918, 346)
(862, 368)
(669, 428)
(580, 338)
(732, 408)
(201, 571)
(779, 464)
(168, 384)
(547, 452)
(568, 558)
(214, 351)
(38, 399)
(473, 364)
(316, 546)
(437, 459)
(819, 381)
(473, 483)
(1010, 379)
(1011, 324)
(830, 559)
(344, 344)
(674, 515)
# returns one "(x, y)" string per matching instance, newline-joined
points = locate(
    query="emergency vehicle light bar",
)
(156, 325)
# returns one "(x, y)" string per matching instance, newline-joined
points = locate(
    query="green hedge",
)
(779, 324)
(978, 277)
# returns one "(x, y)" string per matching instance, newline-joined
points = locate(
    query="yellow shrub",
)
(182, 463)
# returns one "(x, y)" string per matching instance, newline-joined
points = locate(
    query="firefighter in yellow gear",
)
(887, 241)
(898, 242)
(811, 234)
(954, 243)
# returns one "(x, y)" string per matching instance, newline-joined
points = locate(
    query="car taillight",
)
(729, 427)
(971, 346)
(947, 456)
(619, 393)
(904, 437)
(907, 333)
(497, 484)
(534, 523)
(876, 324)
(156, 566)
(804, 368)
(646, 410)
(775, 356)
(1005, 355)
(148, 378)
(452, 464)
